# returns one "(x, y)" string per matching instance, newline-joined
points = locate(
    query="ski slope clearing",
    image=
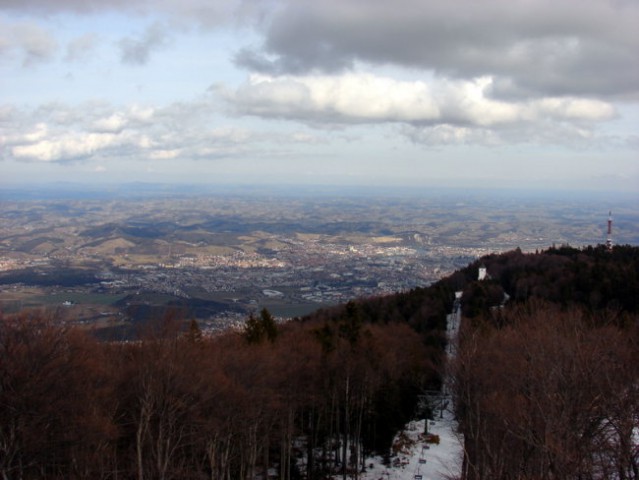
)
(419, 456)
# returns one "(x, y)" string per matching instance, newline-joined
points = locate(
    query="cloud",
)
(207, 13)
(366, 98)
(162, 154)
(136, 51)
(113, 123)
(61, 5)
(64, 134)
(61, 133)
(32, 43)
(80, 49)
(571, 136)
(341, 99)
(541, 47)
(445, 134)
(67, 147)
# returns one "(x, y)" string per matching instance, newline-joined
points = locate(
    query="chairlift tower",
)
(609, 234)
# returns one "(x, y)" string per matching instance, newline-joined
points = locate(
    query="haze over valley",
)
(109, 259)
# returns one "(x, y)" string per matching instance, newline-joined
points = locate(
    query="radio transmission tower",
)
(609, 236)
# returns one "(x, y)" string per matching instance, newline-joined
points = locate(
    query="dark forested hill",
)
(546, 339)
(546, 384)
(593, 277)
(545, 381)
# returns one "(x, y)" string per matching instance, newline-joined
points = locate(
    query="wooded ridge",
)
(545, 382)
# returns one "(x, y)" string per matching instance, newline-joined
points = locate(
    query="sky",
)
(473, 94)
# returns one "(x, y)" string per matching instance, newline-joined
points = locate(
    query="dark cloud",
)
(29, 41)
(320, 57)
(530, 47)
(585, 47)
(206, 13)
(62, 5)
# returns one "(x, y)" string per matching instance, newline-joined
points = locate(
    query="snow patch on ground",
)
(421, 459)
(430, 460)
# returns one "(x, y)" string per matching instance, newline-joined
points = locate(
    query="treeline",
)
(423, 309)
(546, 386)
(592, 277)
(300, 400)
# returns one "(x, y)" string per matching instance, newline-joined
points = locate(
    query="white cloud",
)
(438, 112)
(350, 97)
(68, 147)
(29, 135)
(80, 145)
(365, 98)
(113, 123)
(59, 133)
(575, 109)
(140, 114)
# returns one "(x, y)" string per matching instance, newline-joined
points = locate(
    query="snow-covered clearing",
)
(421, 459)
(430, 460)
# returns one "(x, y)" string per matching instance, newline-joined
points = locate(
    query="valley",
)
(112, 262)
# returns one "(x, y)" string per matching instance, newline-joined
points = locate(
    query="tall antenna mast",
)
(609, 236)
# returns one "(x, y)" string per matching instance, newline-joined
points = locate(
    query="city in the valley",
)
(110, 261)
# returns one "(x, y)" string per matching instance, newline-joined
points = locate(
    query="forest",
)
(544, 382)
(547, 385)
(305, 397)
